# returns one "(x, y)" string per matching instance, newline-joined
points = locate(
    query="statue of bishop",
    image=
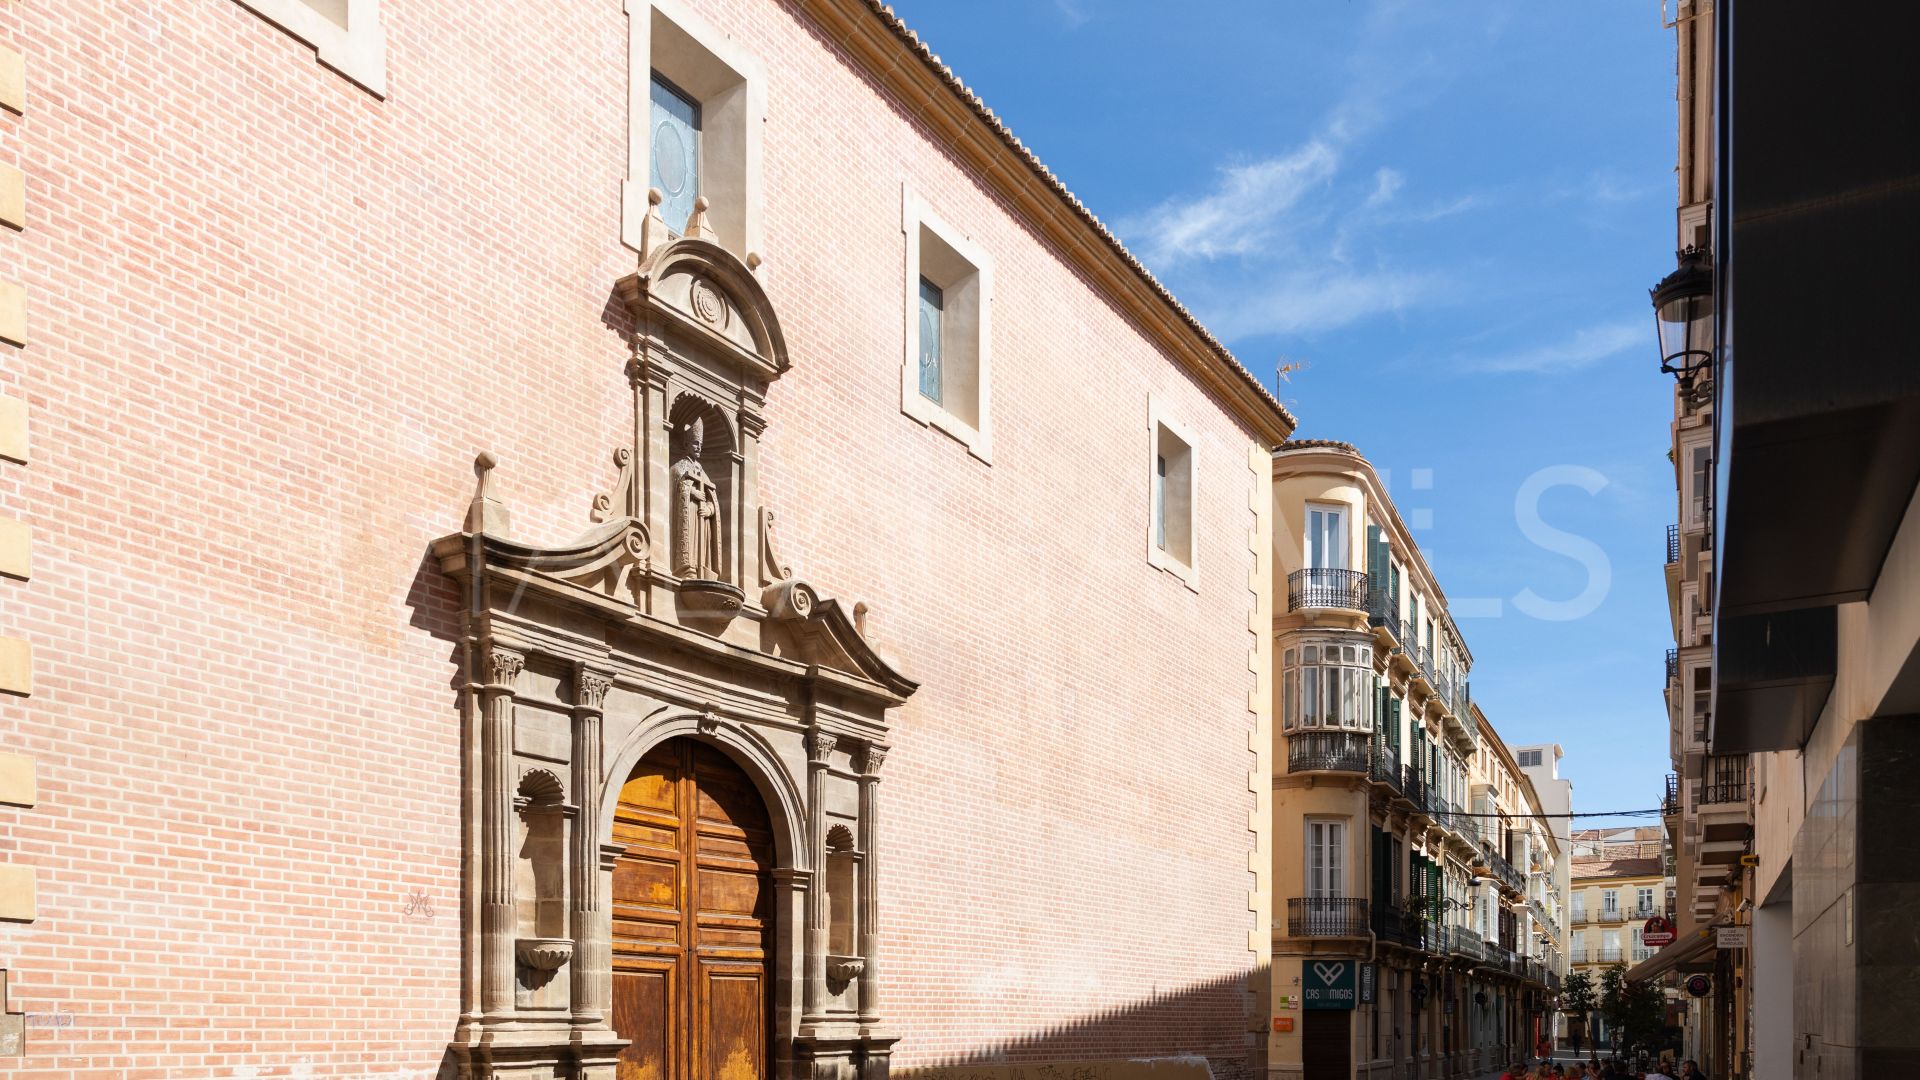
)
(696, 509)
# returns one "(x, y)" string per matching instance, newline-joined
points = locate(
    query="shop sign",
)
(1329, 984)
(1731, 937)
(1657, 933)
(1369, 983)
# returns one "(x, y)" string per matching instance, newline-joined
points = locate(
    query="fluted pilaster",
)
(591, 951)
(496, 871)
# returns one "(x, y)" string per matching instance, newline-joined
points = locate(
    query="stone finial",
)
(486, 514)
(698, 228)
(653, 228)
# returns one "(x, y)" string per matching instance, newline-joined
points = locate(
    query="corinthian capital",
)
(590, 690)
(503, 668)
(820, 744)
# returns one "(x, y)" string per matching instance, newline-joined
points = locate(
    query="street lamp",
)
(1683, 316)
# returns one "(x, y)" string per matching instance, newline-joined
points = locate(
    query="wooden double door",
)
(692, 919)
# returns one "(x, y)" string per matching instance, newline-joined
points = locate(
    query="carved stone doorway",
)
(692, 918)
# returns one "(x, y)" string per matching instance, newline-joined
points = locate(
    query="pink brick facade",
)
(273, 317)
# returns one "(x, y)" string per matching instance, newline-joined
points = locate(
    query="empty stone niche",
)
(542, 948)
(843, 923)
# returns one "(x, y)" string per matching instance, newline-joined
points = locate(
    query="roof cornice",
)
(880, 42)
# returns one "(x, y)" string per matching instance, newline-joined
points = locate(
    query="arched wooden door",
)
(692, 919)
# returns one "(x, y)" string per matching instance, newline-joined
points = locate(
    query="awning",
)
(1684, 950)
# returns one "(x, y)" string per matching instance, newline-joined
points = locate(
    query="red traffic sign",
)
(1657, 933)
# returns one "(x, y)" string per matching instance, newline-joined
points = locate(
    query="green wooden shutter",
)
(1376, 559)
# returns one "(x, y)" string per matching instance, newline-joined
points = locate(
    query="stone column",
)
(820, 745)
(591, 954)
(496, 866)
(869, 909)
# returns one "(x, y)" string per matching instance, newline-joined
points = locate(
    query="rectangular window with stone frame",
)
(697, 111)
(945, 379)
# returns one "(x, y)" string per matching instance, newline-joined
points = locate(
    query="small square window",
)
(944, 379)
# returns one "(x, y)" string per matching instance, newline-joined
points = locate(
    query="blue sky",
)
(1450, 214)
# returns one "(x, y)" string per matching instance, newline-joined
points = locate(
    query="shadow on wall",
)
(1216, 1020)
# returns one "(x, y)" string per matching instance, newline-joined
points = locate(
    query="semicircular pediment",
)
(710, 292)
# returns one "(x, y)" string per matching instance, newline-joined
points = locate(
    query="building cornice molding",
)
(963, 125)
(1301, 457)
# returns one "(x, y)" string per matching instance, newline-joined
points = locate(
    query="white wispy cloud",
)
(1586, 347)
(1310, 302)
(1386, 184)
(1287, 242)
(1240, 214)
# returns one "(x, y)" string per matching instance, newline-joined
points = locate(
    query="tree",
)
(1576, 997)
(1635, 1011)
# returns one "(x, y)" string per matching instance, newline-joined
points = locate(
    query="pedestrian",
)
(1690, 1070)
(1656, 1072)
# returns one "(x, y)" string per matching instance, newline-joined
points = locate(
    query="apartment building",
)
(1706, 803)
(541, 553)
(1790, 802)
(1405, 843)
(1620, 880)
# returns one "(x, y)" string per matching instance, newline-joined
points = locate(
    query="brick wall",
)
(273, 318)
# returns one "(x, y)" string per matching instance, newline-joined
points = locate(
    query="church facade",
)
(646, 540)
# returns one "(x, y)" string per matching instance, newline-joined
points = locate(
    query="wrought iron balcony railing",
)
(1327, 916)
(1329, 751)
(1670, 799)
(1386, 765)
(1673, 543)
(1319, 587)
(1724, 780)
(1413, 787)
(1418, 654)
(1673, 664)
(1607, 955)
(1383, 609)
(1389, 924)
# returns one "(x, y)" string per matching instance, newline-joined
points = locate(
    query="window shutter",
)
(1376, 560)
(674, 146)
